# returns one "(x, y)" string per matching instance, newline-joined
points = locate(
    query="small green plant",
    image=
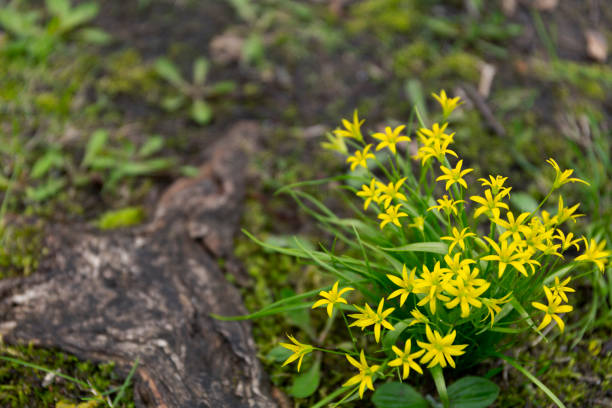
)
(196, 93)
(33, 37)
(127, 160)
(431, 282)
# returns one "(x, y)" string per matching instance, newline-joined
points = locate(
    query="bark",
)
(148, 293)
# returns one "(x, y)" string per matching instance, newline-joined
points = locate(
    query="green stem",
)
(349, 329)
(438, 377)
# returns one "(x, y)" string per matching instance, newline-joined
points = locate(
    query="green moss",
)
(20, 249)
(127, 74)
(22, 386)
(412, 59)
(385, 18)
(456, 65)
(124, 217)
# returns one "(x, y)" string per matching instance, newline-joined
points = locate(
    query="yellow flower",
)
(437, 149)
(448, 104)
(513, 226)
(453, 176)
(447, 205)
(567, 241)
(392, 215)
(566, 213)
(331, 298)
(390, 138)
(370, 193)
(490, 205)
(506, 255)
(554, 307)
(418, 317)
(390, 191)
(352, 130)
(406, 360)
(595, 252)
(406, 284)
(418, 223)
(492, 306)
(440, 349)
(458, 238)
(428, 137)
(368, 317)
(364, 378)
(563, 177)
(466, 289)
(335, 143)
(455, 264)
(432, 284)
(559, 288)
(299, 351)
(360, 158)
(496, 184)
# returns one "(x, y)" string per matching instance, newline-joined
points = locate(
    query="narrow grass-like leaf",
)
(431, 247)
(532, 378)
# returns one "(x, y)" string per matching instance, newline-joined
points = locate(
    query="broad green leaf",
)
(253, 50)
(279, 354)
(189, 171)
(472, 392)
(201, 112)
(524, 202)
(200, 70)
(306, 384)
(168, 71)
(246, 9)
(96, 143)
(398, 395)
(432, 247)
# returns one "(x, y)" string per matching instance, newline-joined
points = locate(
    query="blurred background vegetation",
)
(103, 104)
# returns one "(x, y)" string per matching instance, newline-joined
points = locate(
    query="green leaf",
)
(153, 145)
(253, 50)
(524, 202)
(200, 70)
(533, 379)
(221, 88)
(96, 143)
(432, 247)
(173, 103)
(45, 191)
(306, 384)
(391, 336)
(78, 16)
(472, 392)
(95, 36)
(53, 158)
(201, 112)
(189, 171)
(58, 8)
(168, 71)
(398, 395)
(279, 354)
(299, 317)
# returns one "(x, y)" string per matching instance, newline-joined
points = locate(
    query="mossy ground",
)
(380, 56)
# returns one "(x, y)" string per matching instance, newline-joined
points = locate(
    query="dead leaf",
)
(226, 48)
(597, 47)
(546, 5)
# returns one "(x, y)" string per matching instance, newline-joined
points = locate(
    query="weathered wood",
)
(148, 292)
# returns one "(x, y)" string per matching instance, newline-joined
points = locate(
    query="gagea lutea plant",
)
(433, 278)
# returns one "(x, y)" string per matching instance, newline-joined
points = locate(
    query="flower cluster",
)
(447, 271)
